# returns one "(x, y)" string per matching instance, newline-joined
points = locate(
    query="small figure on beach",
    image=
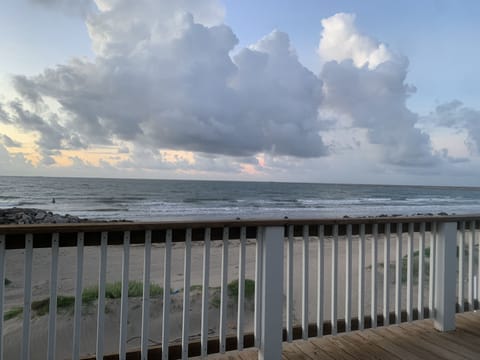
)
(53, 200)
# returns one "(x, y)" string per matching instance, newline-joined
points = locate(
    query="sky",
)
(307, 91)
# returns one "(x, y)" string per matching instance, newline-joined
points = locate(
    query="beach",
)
(66, 287)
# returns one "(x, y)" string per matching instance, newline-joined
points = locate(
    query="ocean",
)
(151, 200)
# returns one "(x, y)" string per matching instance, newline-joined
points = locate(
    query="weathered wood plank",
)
(391, 345)
(425, 349)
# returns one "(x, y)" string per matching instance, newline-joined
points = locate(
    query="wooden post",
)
(445, 279)
(272, 293)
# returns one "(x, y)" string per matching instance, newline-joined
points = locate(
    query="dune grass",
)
(89, 295)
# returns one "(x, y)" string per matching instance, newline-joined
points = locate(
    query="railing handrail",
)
(217, 223)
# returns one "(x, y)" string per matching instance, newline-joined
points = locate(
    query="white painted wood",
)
(241, 288)
(410, 273)
(446, 265)
(2, 289)
(361, 277)
(431, 284)
(320, 277)
(348, 279)
(333, 313)
(167, 261)
(373, 301)
(101, 295)
(78, 299)
(258, 287)
(187, 264)
(290, 256)
(52, 306)
(461, 267)
(305, 276)
(470, 268)
(223, 292)
(272, 294)
(386, 276)
(147, 257)
(205, 291)
(398, 275)
(122, 346)
(421, 270)
(27, 300)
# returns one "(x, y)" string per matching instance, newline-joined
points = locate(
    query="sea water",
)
(139, 199)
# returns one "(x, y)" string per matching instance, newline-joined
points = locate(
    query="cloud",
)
(365, 83)
(170, 83)
(8, 141)
(341, 40)
(455, 115)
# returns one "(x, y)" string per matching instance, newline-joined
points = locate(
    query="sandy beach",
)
(66, 287)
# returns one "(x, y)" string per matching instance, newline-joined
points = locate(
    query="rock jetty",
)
(35, 216)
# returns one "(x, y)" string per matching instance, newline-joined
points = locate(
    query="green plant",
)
(114, 291)
(249, 289)
(42, 307)
(7, 282)
(13, 312)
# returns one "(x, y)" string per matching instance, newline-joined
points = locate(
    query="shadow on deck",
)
(416, 340)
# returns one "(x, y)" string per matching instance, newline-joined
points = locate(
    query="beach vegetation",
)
(7, 282)
(249, 289)
(41, 307)
(12, 313)
(114, 291)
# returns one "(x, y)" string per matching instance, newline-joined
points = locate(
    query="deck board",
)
(417, 340)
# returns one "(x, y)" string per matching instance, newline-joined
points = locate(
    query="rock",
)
(35, 216)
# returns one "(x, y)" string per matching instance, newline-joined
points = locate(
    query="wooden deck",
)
(416, 340)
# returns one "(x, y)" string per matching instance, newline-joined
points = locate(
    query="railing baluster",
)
(374, 276)
(470, 267)
(320, 275)
(205, 291)
(146, 294)
(241, 287)
(348, 279)
(258, 287)
(52, 307)
(78, 299)
(186, 293)
(2, 289)
(410, 273)
(421, 270)
(27, 300)
(101, 294)
(223, 295)
(461, 266)
(167, 261)
(122, 346)
(398, 276)
(361, 277)
(431, 284)
(386, 276)
(333, 314)
(290, 256)
(305, 283)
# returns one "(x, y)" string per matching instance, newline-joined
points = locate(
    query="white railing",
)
(311, 277)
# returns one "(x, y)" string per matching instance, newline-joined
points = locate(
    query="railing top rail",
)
(217, 223)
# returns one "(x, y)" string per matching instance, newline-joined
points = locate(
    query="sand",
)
(66, 286)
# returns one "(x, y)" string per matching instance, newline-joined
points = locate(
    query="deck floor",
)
(417, 340)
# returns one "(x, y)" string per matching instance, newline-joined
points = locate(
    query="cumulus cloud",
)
(164, 80)
(364, 83)
(164, 77)
(341, 40)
